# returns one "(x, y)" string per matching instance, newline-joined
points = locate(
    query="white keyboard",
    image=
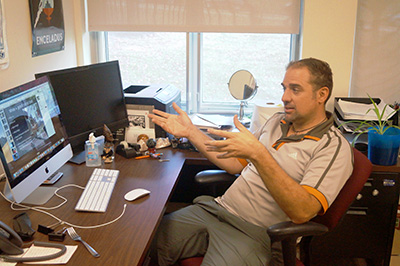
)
(98, 191)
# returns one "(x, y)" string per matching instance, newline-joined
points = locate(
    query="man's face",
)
(299, 99)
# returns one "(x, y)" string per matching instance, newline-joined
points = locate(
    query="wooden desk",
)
(125, 242)
(390, 168)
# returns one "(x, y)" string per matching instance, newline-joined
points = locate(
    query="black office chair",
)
(214, 182)
(287, 232)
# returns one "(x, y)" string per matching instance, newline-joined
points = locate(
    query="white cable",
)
(43, 210)
(2, 176)
(100, 225)
(24, 207)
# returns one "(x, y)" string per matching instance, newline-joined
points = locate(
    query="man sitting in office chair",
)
(292, 168)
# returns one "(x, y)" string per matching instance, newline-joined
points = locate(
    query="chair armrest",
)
(288, 232)
(214, 182)
(285, 230)
(211, 177)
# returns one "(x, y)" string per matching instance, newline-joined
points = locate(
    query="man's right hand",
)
(182, 127)
(178, 125)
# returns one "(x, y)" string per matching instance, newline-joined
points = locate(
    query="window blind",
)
(376, 59)
(250, 16)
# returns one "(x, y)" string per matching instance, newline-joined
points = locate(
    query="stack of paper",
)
(359, 111)
(211, 121)
(39, 251)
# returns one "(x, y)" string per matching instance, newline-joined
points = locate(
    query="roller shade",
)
(376, 59)
(250, 16)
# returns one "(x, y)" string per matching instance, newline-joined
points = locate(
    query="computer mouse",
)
(136, 193)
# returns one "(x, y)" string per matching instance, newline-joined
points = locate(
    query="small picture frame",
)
(139, 122)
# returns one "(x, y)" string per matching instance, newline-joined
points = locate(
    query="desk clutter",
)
(128, 225)
(140, 100)
(95, 198)
(11, 245)
(79, 115)
(37, 251)
(144, 148)
(348, 111)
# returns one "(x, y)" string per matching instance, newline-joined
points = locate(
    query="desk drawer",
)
(381, 188)
(366, 231)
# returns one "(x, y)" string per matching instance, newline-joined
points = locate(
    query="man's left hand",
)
(240, 144)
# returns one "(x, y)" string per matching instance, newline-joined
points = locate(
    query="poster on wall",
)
(3, 40)
(47, 26)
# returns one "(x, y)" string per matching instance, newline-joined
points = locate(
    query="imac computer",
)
(33, 141)
(89, 97)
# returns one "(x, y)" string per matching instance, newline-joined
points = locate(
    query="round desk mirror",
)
(242, 86)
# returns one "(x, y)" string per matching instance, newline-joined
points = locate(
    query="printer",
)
(148, 97)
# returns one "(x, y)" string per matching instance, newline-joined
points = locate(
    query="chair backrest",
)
(362, 169)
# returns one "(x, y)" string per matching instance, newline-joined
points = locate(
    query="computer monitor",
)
(33, 140)
(89, 97)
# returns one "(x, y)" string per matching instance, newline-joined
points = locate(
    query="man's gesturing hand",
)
(240, 144)
(178, 125)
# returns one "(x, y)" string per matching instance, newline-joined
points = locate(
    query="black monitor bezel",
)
(77, 140)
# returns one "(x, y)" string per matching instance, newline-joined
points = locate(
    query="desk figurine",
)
(141, 140)
(151, 144)
(108, 150)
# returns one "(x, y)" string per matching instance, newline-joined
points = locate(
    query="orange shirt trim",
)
(243, 162)
(312, 137)
(319, 196)
(280, 145)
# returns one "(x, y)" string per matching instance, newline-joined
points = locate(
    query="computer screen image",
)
(33, 140)
(89, 97)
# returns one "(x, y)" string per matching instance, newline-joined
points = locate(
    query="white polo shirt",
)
(320, 160)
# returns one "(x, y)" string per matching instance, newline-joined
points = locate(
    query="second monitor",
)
(89, 97)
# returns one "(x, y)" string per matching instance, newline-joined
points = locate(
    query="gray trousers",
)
(206, 229)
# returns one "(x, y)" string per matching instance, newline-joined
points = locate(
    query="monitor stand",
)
(39, 196)
(78, 158)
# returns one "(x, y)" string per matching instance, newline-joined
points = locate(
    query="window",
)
(264, 55)
(201, 64)
(149, 57)
(198, 45)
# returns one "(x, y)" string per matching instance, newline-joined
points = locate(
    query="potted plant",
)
(383, 138)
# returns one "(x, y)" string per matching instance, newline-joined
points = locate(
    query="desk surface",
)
(126, 241)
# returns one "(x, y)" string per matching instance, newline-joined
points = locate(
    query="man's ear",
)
(323, 94)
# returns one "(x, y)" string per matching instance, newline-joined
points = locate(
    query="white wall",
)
(22, 66)
(328, 34)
